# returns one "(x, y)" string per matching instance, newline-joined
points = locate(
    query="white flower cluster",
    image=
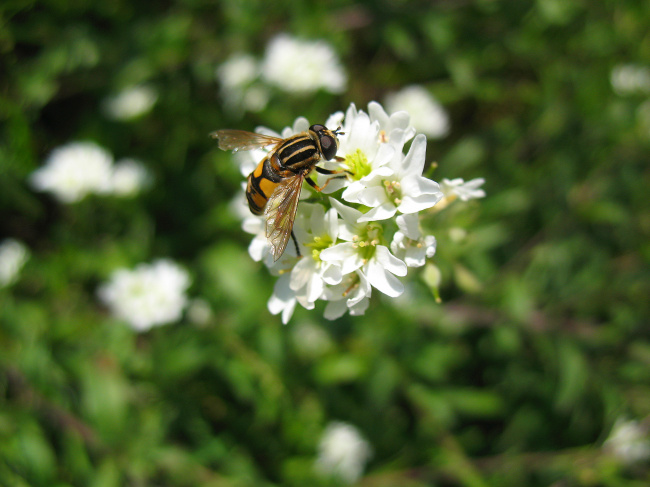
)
(130, 103)
(630, 79)
(629, 441)
(342, 452)
(150, 295)
(290, 64)
(427, 114)
(13, 255)
(302, 66)
(368, 237)
(78, 169)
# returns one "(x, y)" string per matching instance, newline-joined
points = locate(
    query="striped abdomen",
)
(295, 155)
(261, 184)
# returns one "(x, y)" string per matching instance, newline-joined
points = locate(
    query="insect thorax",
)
(298, 152)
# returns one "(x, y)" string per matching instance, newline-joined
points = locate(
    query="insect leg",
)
(331, 171)
(326, 171)
(295, 242)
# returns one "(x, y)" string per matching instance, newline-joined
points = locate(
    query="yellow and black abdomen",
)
(261, 184)
(295, 155)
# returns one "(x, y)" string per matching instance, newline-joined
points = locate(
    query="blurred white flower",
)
(342, 452)
(628, 441)
(426, 114)
(13, 255)
(131, 102)
(78, 169)
(129, 177)
(464, 190)
(149, 295)
(239, 88)
(238, 71)
(75, 170)
(629, 79)
(302, 66)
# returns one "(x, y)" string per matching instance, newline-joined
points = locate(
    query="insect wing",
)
(281, 212)
(236, 140)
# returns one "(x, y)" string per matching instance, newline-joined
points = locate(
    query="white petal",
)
(343, 254)
(358, 309)
(258, 248)
(349, 215)
(410, 225)
(253, 224)
(315, 288)
(363, 290)
(351, 192)
(317, 220)
(302, 272)
(430, 245)
(372, 196)
(377, 112)
(383, 280)
(413, 204)
(415, 256)
(389, 262)
(376, 175)
(335, 120)
(282, 300)
(336, 183)
(335, 309)
(383, 156)
(414, 185)
(332, 274)
(332, 224)
(414, 161)
(382, 212)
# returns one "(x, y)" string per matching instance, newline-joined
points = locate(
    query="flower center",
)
(318, 244)
(367, 240)
(358, 164)
(394, 191)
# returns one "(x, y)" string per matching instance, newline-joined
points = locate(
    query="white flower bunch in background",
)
(13, 255)
(149, 295)
(629, 441)
(130, 103)
(241, 89)
(630, 79)
(78, 169)
(368, 232)
(290, 64)
(302, 66)
(427, 115)
(342, 452)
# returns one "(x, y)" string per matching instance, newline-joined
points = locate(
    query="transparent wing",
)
(236, 140)
(280, 213)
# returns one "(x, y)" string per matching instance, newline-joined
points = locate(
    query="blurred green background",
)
(541, 341)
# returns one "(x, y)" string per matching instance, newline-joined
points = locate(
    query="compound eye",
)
(328, 146)
(316, 128)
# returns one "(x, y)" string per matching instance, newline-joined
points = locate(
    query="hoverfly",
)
(274, 186)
